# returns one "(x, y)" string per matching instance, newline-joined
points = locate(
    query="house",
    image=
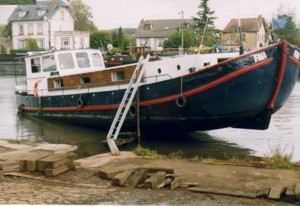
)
(153, 33)
(50, 22)
(254, 33)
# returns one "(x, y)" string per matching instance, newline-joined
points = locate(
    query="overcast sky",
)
(128, 13)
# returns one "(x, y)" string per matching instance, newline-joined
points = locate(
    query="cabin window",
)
(85, 80)
(66, 61)
(48, 63)
(58, 83)
(97, 60)
(35, 65)
(118, 76)
(83, 60)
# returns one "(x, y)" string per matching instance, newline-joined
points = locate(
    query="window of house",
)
(40, 43)
(22, 13)
(21, 44)
(35, 65)
(97, 60)
(118, 76)
(30, 29)
(81, 42)
(48, 63)
(66, 61)
(244, 37)
(185, 25)
(62, 15)
(40, 28)
(82, 60)
(40, 12)
(65, 44)
(21, 29)
(147, 27)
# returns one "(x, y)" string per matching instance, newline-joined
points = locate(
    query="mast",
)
(240, 30)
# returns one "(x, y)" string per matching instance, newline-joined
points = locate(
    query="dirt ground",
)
(84, 186)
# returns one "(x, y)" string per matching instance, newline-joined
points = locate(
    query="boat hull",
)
(242, 92)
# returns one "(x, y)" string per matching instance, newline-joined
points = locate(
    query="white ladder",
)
(125, 105)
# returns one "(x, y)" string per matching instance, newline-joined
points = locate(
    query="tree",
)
(100, 39)
(205, 23)
(7, 32)
(291, 33)
(31, 44)
(83, 16)
(121, 40)
(174, 40)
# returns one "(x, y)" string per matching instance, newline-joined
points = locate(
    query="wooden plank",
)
(157, 169)
(54, 161)
(263, 193)
(121, 178)
(297, 191)
(290, 194)
(29, 163)
(223, 192)
(59, 170)
(42, 178)
(138, 177)
(108, 173)
(155, 180)
(10, 168)
(176, 183)
(276, 192)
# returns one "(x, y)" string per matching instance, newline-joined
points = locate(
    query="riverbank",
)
(83, 184)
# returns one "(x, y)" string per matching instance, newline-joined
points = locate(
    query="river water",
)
(283, 133)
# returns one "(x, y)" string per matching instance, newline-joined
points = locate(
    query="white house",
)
(50, 22)
(153, 33)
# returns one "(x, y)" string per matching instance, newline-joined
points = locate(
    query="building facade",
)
(50, 22)
(254, 33)
(153, 33)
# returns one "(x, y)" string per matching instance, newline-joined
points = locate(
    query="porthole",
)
(178, 67)
(159, 70)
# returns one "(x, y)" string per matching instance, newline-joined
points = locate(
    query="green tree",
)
(31, 44)
(83, 16)
(174, 40)
(7, 32)
(100, 39)
(121, 40)
(204, 24)
(291, 33)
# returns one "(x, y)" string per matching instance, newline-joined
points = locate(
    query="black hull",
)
(240, 92)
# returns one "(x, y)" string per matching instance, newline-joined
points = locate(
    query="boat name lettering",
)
(297, 54)
(260, 56)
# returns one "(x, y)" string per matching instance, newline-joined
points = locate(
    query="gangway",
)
(125, 105)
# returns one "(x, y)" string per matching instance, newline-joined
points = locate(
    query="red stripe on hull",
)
(280, 76)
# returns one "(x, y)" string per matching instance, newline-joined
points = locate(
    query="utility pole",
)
(182, 14)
